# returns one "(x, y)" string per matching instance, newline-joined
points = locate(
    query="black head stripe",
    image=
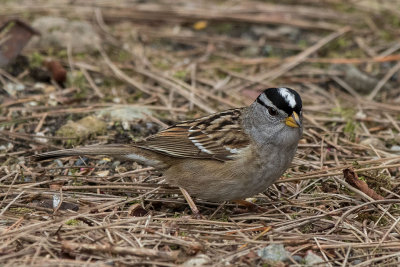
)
(280, 102)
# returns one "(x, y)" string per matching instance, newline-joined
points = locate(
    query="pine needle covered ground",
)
(118, 71)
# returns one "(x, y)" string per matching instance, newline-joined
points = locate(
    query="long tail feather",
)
(122, 151)
(110, 150)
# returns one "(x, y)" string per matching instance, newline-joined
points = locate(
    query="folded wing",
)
(218, 136)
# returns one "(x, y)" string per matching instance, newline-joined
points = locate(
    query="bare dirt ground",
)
(135, 67)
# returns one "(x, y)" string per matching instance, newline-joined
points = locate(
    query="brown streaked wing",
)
(217, 136)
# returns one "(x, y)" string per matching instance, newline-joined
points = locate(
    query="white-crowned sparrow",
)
(228, 155)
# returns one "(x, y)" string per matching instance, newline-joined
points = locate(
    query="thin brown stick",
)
(140, 252)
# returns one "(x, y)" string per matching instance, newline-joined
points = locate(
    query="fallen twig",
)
(352, 178)
(141, 252)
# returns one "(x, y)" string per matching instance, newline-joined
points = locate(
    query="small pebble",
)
(41, 140)
(125, 125)
(375, 142)
(56, 200)
(21, 160)
(59, 163)
(115, 164)
(58, 33)
(13, 88)
(298, 258)
(312, 259)
(274, 252)
(81, 161)
(103, 173)
(198, 260)
(395, 148)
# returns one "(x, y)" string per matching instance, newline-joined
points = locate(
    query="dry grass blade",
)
(141, 252)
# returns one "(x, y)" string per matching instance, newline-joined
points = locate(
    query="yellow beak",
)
(293, 120)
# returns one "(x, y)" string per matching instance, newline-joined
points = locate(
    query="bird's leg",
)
(191, 203)
(250, 206)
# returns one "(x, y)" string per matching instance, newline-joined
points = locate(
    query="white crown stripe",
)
(288, 96)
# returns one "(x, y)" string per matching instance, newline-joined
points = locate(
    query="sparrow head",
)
(281, 105)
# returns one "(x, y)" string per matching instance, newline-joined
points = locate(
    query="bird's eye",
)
(272, 111)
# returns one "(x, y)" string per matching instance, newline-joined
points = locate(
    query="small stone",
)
(125, 113)
(297, 258)
(375, 142)
(360, 115)
(274, 252)
(56, 200)
(98, 81)
(21, 160)
(59, 33)
(356, 262)
(313, 259)
(8, 147)
(41, 140)
(81, 161)
(115, 164)
(81, 129)
(250, 51)
(125, 125)
(103, 173)
(41, 86)
(13, 88)
(198, 260)
(52, 101)
(395, 148)
(360, 81)
(59, 163)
